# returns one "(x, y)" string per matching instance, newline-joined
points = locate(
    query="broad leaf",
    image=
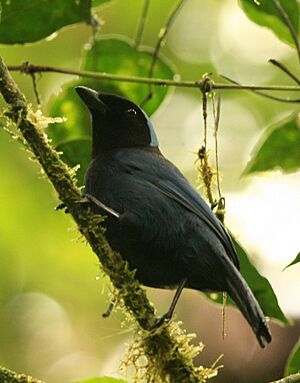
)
(77, 152)
(280, 148)
(264, 13)
(259, 285)
(296, 260)
(26, 21)
(293, 362)
(105, 379)
(120, 57)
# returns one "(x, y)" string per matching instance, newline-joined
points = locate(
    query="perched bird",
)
(156, 220)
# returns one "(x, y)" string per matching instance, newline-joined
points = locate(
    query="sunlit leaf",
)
(293, 362)
(260, 286)
(77, 152)
(296, 260)
(105, 379)
(279, 148)
(120, 57)
(31, 20)
(264, 13)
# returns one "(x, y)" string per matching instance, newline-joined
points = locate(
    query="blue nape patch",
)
(154, 140)
(153, 137)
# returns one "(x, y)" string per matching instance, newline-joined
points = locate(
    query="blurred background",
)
(52, 292)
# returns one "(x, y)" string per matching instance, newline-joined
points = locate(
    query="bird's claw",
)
(62, 206)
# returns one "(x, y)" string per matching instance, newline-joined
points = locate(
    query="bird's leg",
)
(168, 315)
(109, 310)
(90, 198)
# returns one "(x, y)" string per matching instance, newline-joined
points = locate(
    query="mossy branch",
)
(295, 378)
(8, 376)
(169, 356)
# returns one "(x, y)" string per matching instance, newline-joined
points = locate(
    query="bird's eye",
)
(131, 112)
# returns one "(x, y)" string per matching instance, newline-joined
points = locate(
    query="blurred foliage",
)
(280, 148)
(265, 13)
(28, 21)
(293, 363)
(77, 152)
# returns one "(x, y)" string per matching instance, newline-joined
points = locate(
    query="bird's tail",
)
(247, 303)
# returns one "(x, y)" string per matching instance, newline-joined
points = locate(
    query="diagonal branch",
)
(8, 376)
(167, 349)
(295, 378)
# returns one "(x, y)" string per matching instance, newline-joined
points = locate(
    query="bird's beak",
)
(91, 98)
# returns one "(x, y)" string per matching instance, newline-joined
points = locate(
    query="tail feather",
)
(248, 305)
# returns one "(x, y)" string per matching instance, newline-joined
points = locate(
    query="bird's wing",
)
(187, 197)
(165, 177)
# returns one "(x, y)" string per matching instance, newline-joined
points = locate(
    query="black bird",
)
(157, 221)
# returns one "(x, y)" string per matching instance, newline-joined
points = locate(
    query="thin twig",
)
(161, 37)
(216, 113)
(288, 23)
(285, 69)
(35, 88)
(31, 68)
(263, 94)
(141, 26)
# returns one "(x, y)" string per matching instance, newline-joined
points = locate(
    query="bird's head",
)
(116, 122)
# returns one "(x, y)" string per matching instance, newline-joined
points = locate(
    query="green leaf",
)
(259, 285)
(120, 57)
(293, 362)
(296, 260)
(77, 152)
(280, 148)
(26, 21)
(112, 56)
(264, 13)
(105, 379)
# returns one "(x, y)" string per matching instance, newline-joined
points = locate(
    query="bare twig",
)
(216, 113)
(161, 37)
(31, 68)
(141, 27)
(288, 23)
(263, 94)
(35, 88)
(285, 69)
